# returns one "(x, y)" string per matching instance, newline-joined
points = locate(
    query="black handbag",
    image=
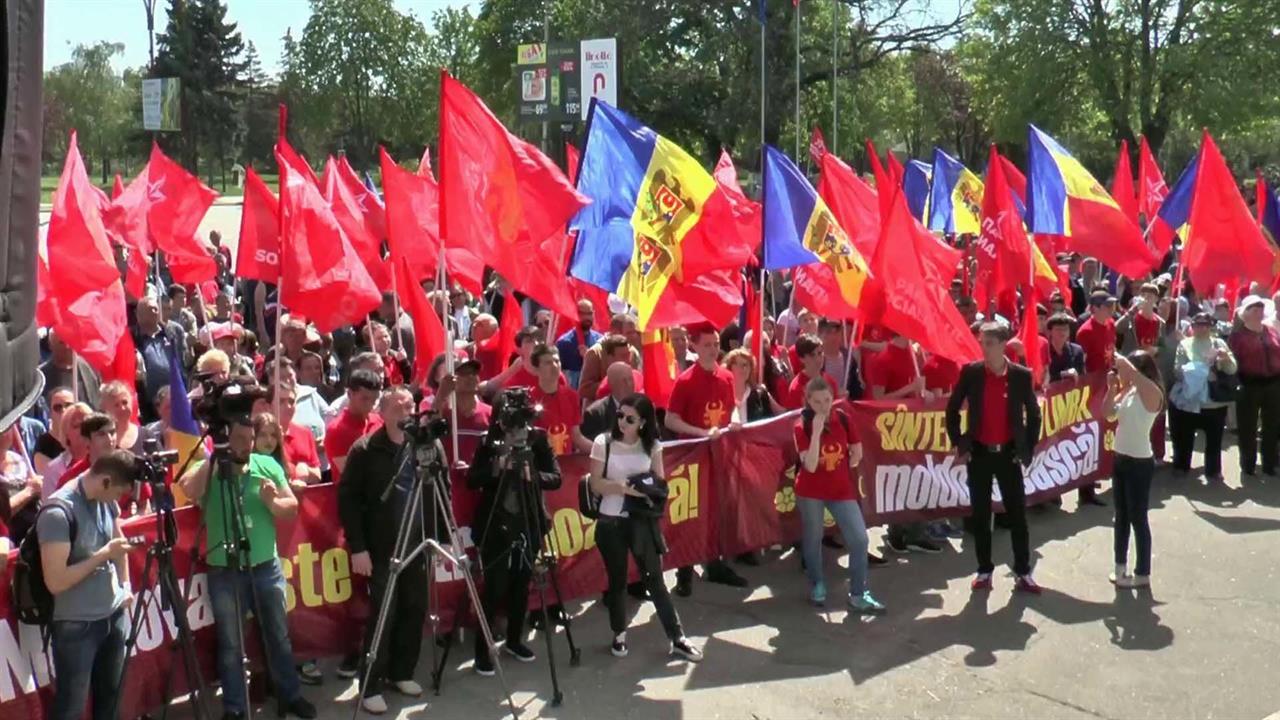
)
(589, 502)
(1223, 387)
(653, 491)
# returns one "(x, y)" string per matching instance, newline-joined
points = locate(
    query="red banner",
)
(728, 496)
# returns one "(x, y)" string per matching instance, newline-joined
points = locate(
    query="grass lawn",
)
(49, 183)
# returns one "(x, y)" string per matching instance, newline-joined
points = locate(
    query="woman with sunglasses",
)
(630, 449)
(52, 443)
(828, 451)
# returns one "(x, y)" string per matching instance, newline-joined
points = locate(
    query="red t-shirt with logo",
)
(1146, 330)
(794, 398)
(1099, 343)
(561, 413)
(345, 430)
(524, 378)
(703, 398)
(994, 427)
(892, 368)
(832, 479)
(299, 447)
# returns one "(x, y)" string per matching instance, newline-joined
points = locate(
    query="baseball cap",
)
(1102, 297)
(467, 366)
(1203, 318)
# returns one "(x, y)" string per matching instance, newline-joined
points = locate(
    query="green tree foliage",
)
(259, 110)
(205, 52)
(88, 96)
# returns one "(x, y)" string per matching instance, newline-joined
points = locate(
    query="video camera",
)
(222, 403)
(517, 411)
(426, 427)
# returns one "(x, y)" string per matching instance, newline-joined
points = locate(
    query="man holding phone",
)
(88, 575)
(258, 486)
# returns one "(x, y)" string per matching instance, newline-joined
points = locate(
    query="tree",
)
(86, 95)
(259, 112)
(203, 50)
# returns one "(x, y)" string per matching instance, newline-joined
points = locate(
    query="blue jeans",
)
(1131, 490)
(849, 517)
(88, 656)
(268, 584)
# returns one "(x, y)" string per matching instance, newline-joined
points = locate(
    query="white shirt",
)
(1133, 426)
(625, 460)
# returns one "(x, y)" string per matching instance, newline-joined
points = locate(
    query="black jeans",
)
(1003, 466)
(1132, 490)
(507, 572)
(1259, 404)
(617, 538)
(402, 637)
(1213, 421)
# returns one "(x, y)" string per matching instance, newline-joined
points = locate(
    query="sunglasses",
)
(59, 407)
(629, 419)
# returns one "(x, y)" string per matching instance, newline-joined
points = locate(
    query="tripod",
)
(537, 557)
(412, 541)
(171, 598)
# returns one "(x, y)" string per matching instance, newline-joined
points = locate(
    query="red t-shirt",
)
(892, 368)
(637, 378)
(795, 392)
(994, 428)
(345, 430)
(299, 447)
(832, 480)
(1099, 343)
(524, 378)
(940, 374)
(394, 376)
(1146, 330)
(703, 398)
(561, 413)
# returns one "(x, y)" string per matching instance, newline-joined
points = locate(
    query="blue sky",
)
(68, 23)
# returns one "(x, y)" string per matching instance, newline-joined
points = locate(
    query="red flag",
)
(322, 277)
(853, 203)
(1152, 189)
(572, 158)
(658, 360)
(1016, 180)
(714, 297)
(746, 230)
(502, 199)
(1122, 184)
(359, 214)
(893, 169)
(1029, 334)
(413, 223)
(817, 145)
(1003, 252)
(1260, 196)
(117, 187)
(258, 251)
(915, 306)
(755, 312)
(424, 166)
(494, 351)
(428, 332)
(80, 294)
(1224, 243)
(884, 184)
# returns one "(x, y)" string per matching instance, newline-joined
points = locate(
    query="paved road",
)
(1201, 644)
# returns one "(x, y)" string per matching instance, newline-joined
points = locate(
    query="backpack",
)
(589, 502)
(31, 599)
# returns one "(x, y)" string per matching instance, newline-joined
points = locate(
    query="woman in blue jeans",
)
(828, 450)
(1136, 394)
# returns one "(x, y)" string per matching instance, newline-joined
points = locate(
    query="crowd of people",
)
(333, 403)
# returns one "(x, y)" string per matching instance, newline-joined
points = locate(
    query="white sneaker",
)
(374, 705)
(1134, 581)
(408, 687)
(1121, 572)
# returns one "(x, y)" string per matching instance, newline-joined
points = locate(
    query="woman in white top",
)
(632, 449)
(1136, 395)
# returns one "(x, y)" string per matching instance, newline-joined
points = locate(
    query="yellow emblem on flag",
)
(825, 238)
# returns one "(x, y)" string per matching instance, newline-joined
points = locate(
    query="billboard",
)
(161, 104)
(557, 80)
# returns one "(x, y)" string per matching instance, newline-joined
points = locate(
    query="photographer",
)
(511, 532)
(372, 496)
(257, 484)
(629, 450)
(88, 575)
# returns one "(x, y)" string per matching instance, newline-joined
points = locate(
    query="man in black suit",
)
(1004, 423)
(601, 415)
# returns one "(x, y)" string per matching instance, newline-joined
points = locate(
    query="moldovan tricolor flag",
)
(955, 198)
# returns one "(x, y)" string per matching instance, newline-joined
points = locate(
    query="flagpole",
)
(848, 360)
(449, 367)
(762, 89)
(835, 95)
(797, 155)
(75, 376)
(279, 343)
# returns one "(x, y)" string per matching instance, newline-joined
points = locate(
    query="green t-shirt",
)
(260, 526)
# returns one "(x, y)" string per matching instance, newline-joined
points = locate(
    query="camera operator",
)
(510, 533)
(265, 495)
(89, 578)
(371, 510)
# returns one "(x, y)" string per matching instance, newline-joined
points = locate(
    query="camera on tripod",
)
(426, 427)
(516, 415)
(223, 402)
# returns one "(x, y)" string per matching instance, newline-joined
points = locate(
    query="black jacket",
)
(600, 416)
(1024, 409)
(484, 476)
(370, 510)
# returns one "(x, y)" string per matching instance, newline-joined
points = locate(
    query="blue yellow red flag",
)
(916, 182)
(955, 199)
(799, 229)
(183, 433)
(657, 216)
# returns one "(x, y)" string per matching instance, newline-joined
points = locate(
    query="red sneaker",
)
(1026, 584)
(982, 581)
